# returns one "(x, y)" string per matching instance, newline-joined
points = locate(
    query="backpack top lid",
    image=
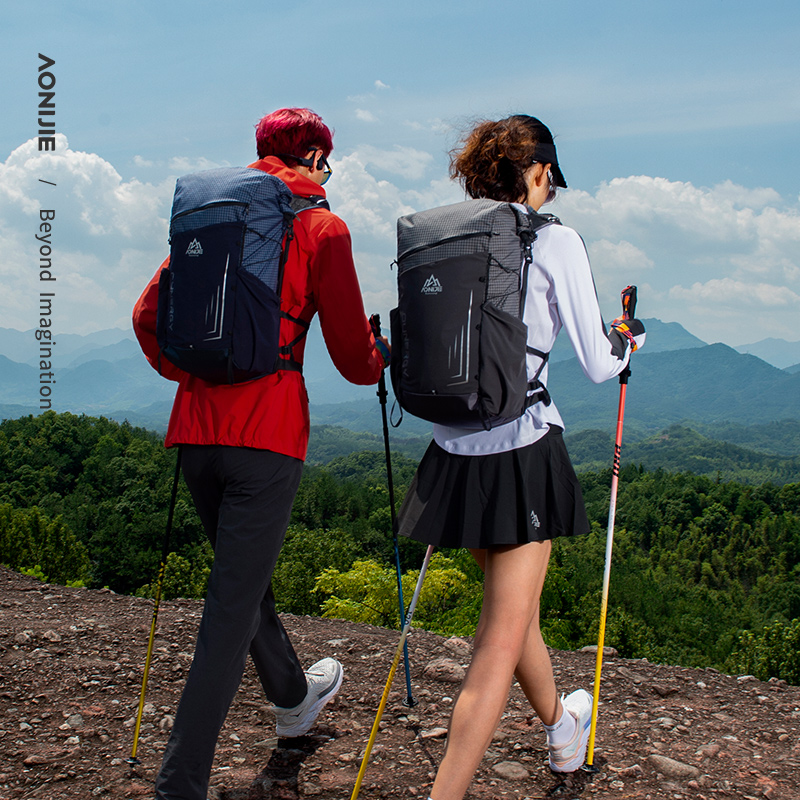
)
(437, 227)
(495, 227)
(251, 197)
(225, 195)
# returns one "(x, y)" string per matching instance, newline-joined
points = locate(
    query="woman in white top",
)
(505, 493)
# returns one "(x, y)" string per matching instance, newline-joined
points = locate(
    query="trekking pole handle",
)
(375, 324)
(381, 342)
(628, 295)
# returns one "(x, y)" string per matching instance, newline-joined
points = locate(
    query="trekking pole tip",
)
(590, 768)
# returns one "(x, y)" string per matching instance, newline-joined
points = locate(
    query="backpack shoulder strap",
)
(300, 203)
(286, 360)
(531, 223)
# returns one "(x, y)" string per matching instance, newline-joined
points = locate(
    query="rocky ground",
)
(71, 665)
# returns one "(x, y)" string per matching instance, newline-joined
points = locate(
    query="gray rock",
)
(671, 768)
(664, 691)
(511, 770)
(445, 669)
(36, 760)
(434, 733)
(635, 677)
(633, 771)
(458, 646)
(608, 652)
(75, 721)
(666, 722)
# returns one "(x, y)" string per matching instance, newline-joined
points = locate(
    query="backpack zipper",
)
(448, 240)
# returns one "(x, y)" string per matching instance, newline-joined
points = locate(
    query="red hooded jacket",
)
(271, 413)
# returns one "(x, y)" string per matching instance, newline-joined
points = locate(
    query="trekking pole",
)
(400, 646)
(375, 322)
(628, 310)
(133, 761)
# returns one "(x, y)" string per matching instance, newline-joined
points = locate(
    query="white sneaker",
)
(324, 680)
(571, 755)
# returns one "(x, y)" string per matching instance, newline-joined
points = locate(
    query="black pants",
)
(244, 499)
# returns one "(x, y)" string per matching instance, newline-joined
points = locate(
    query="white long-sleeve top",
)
(561, 293)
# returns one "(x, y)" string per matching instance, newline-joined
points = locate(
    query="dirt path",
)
(70, 671)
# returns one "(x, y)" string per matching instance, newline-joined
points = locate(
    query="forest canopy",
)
(705, 572)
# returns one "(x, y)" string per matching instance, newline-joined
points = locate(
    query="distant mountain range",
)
(676, 378)
(778, 352)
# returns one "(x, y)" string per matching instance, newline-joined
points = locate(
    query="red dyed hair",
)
(292, 131)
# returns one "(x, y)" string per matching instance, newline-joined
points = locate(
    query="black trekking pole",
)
(628, 311)
(375, 323)
(133, 761)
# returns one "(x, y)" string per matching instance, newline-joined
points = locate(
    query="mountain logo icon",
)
(431, 286)
(194, 248)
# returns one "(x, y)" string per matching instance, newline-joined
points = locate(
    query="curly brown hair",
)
(494, 156)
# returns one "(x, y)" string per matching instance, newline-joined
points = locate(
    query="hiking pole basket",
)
(628, 309)
(395, 662)
(133, 760)
(375, 323)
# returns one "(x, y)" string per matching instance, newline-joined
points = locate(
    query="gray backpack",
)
(459, 344)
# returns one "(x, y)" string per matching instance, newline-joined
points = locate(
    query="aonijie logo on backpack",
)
(431, 286)
(219, 305)
(460, 356)
(194, 248)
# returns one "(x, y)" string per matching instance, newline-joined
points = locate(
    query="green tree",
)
(772, 652)
(449, 603)
(29, 540)
(183, 577)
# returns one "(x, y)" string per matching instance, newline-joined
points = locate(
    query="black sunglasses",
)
(322, 163)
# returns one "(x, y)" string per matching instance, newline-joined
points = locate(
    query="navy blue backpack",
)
(219, 304)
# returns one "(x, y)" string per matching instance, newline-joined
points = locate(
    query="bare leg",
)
(534, 670)
(514, 579)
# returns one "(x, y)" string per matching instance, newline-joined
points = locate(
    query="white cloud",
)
(108, 237)
(705, 257)
(614, 262)
(381, 85)
(713, 252)
(183, 165)
(730, 292)
(709, 258)
(371, 206)
(365, 116)
(404, 161)
(433, 125)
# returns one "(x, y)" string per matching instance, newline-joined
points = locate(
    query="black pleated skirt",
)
(524, 495)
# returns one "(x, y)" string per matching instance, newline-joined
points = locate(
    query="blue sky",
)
(676, 125)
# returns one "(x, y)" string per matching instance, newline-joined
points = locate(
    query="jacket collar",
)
(298, 184)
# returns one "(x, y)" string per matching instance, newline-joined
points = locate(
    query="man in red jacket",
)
(243, 447)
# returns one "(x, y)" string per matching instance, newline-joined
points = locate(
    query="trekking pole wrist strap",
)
(384, 351)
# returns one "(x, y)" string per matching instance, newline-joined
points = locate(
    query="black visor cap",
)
(545, 151)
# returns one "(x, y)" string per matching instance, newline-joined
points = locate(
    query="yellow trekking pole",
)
(628, 309)
(395, 662)
(133, 761)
